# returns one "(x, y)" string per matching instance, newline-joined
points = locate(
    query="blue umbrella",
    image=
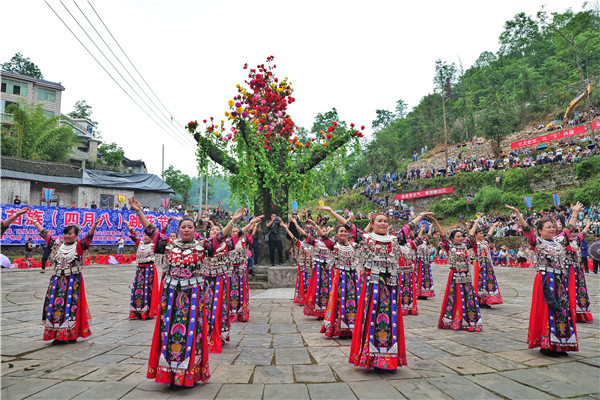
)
(541, 147)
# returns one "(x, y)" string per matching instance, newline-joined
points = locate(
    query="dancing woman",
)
(217, 271)
(552, 317)
(303, 253)
(378, 336)
(145, 294)
(573, 253)
(484, 281)
(179, 350)
(460, 308)
(317, 293)
(238, 263)
(423, 269)
(66, 312)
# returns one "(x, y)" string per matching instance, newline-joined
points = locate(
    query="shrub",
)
(586, 168)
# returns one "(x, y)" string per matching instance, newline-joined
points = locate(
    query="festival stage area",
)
(280, 354)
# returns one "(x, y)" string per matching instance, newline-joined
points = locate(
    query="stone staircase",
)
(266, 277)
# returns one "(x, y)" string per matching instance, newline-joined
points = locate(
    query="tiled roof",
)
(40, 167)
(31, 79)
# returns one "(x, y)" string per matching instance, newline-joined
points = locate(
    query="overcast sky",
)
(355, 56)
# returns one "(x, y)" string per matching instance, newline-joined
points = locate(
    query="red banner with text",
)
(547, 138)
(596, 124)
(425, 193)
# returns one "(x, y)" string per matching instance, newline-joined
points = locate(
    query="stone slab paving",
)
(280, 353)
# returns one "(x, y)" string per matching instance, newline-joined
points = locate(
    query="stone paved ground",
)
(281, 354)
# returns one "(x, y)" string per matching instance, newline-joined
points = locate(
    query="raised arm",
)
(474, 227)
(6, 223)
(252, 224)
(137, 207)
(236, 217)
(320, 231)
(335, 215)
(285, 226)
(437, 226)
(493, 228)
(575, 210)
(522, 221)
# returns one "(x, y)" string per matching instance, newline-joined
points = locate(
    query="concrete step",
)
(258, 278)
(258, 285)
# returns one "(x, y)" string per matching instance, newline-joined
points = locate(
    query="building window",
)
(48, 114)
(46, 95)
(14, 87)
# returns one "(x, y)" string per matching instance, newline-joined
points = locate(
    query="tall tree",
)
(35, 136)
(82, 109)
(112, 154)
(570, 27)
(383, 120)
(179, 182)
(401, 108)
(261, 153)
(444, 76)
(19, 64)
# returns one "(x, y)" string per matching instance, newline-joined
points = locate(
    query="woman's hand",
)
(22, 211)
(238, 214)
(324, 208)
(513, 209)
(577, 207)
(134, 204)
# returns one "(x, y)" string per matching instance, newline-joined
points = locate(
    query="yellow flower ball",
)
(231, 103)
(240, 110)
(226, 113)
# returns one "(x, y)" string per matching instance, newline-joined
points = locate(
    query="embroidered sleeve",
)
(46, 236)
(357, 233)
(444, 242)
(310, 240)
(471, 242)
(134, 237)
(403, 233)
(328, 242)
(529, 235)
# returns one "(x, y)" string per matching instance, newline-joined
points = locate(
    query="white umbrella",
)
(5, 262)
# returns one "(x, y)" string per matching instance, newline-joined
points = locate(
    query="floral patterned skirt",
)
(342, 304)
(460, 309)
(552, 319)
(302, 283)
(217, 306)
(179, 350)
(238, 294)
(582, 311)
(144, 293)
(424, 278)
(317, 294)
(408, 294)
(65, 315)
(485, 281)
(378, 337)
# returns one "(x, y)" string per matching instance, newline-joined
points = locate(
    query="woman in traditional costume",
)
(66, 311)
(573, 253)
(484, 281)
(423, 270)
(378, 336)
(217, 271)
(303, 253)
(552, 317)
(317, 294)
(145, 294)
(460, 308)
(238, 262)
(179, 350)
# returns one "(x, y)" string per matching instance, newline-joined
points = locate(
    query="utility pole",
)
(206, 191)
(200, 197)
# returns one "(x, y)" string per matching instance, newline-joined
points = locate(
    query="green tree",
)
(112, 154)
(401, 108)
(383, 120)
(34, 136)
(19, 64)
(261, 154)
(444, 76)
(179, 182)
(82, 109)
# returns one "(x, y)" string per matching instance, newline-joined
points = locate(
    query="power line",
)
(101, 66)
(119, 61)
(112, 65)
(136, 70)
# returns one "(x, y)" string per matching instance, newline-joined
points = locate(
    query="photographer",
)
(274, 238)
